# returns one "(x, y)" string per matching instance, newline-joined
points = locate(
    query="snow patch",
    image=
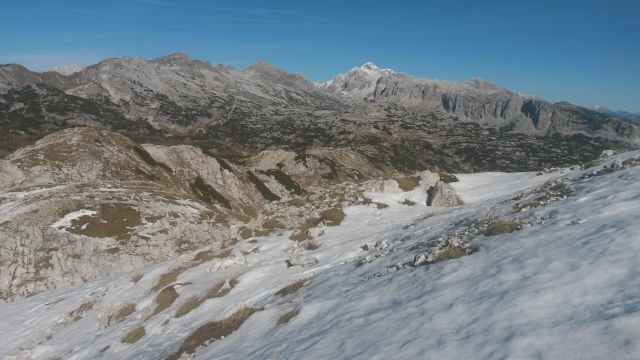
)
(65, 222)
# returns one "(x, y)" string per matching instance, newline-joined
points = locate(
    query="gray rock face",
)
(442, 195)
(479, 101)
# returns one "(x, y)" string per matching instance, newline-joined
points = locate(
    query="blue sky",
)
(586, 52)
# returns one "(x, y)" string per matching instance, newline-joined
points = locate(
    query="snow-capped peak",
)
(371, 67)
(359, 82)
(66, 69)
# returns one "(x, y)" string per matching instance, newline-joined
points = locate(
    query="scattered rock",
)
(301, 260)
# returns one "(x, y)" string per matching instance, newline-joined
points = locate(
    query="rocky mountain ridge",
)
(175, 97)
(479, 101)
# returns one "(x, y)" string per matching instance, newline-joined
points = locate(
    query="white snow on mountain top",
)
(566, 286)
(67, 69)
(371, 67)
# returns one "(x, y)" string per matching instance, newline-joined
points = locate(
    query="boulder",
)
(302, 260)
(428, 179)
(442, 195)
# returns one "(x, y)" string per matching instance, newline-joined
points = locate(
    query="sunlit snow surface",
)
(568, 288)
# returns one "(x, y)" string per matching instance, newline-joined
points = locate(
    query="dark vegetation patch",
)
(291, 185)
(332, 175)
(146, 175)
(207, 193)
(262, 188)
(223, 163)
(147, 158)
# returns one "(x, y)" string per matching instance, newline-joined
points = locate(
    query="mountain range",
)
(635, 117)
(175, 99)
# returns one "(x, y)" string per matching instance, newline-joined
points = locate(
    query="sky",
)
(583, 51)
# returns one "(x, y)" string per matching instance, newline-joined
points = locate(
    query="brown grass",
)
(78, 313)
(449, 253)
(202, 257)
(134, 335)
(291, 288)
(302, 232)
(408, 183)
(332, 217)
(244, 232)
(380, 205)
(165, 298)
(300, 235)
(215, 291)
(213, 331)
(298, 202)
(286, 317)
(168, 277)
(273, 223)
(310, 245)
(120, 314)
(188, 306)
(112, 220)
(528, 204)
(502, 227)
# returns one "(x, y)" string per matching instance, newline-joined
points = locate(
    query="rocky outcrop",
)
(442, 195)
(83, 204)
(479, 101)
